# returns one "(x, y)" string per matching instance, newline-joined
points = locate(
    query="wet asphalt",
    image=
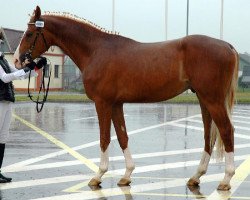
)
(165, 140)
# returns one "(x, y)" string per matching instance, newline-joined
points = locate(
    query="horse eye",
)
(29, 34)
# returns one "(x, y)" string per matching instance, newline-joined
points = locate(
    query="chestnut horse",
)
(118, 70)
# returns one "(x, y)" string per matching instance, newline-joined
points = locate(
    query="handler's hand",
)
(29, 66)
(25, 62)
(41, 62)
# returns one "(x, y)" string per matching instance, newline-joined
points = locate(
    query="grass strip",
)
(241, 98)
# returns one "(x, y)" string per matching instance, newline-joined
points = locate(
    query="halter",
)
(39, 25)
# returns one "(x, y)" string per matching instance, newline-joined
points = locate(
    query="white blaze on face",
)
(16, 57)
(17, 61)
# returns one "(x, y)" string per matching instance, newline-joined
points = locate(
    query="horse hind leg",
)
(221, 118)
(104, 112)
(120, 128)
(220, 114)
(202, 168)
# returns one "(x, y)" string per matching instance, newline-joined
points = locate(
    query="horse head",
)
(34, 41)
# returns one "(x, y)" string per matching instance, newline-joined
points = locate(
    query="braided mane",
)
(79, 19)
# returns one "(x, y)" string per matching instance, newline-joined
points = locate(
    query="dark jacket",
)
(6, 89)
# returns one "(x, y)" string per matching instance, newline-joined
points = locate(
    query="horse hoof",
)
(224, 187)
(124, 182)
(94, 182)
(193, 182)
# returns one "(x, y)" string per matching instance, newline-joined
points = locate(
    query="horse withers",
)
(118, 69)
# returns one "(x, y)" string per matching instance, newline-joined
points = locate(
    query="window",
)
(46, 74)
(56, 71)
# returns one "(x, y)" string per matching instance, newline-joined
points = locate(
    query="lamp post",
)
(166, 19)
(221, 19)
(113, 15)
(187, 25)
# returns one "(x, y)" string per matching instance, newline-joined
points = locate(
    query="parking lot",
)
(50, 154)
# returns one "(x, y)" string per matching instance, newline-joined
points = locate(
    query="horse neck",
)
(77, 40)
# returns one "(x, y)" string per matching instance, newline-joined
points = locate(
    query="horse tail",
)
(229, 103)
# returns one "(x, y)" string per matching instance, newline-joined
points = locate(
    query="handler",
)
(9, 73)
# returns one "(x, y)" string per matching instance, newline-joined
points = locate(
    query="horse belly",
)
(161, 94)
(152, 89)
(168, 92)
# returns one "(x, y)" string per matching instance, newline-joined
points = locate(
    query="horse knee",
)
(123, 144)
(123, 140)
(104, 144)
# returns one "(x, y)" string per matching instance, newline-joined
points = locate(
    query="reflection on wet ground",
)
(166, 141)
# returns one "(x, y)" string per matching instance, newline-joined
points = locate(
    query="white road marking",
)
(45, 181)
(164, 166)
(241, 173)
(84, 118)
(115, 158)
(242, 122)
(135, 188)
(241, 113)
(201, 129)
(237, 127)
(242, 136)
(91, 144)
(34, 160)
(19, 165)
(195, 120)
(242, 128)
(241, 117)
(56, 180)
(187, 126)
(102, 193)
(242, 110)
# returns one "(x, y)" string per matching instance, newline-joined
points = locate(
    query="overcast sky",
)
(144, 20)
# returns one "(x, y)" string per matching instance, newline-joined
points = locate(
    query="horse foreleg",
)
(104, 111)
(120, 127)
(130, 166)
(202, 169)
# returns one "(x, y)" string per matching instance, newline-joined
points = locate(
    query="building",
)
(244, 70)
(72, 76)
(54, 55)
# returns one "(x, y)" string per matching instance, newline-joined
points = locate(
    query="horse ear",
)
(37, 13)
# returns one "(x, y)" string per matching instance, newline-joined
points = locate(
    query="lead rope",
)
(42, 87)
